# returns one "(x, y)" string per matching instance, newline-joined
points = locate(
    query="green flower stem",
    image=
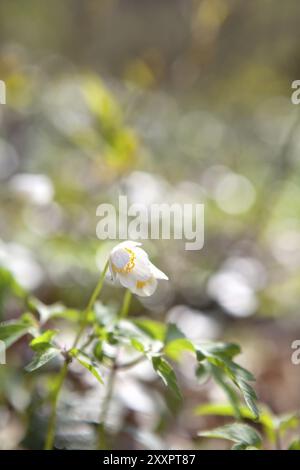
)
(126, 304)
(54, 400)
(64, 370)
(90, 305)
(102, 440)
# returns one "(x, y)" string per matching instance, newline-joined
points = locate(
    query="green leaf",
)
(167, 374)
(98, 351)
(226, 350)
(8, 285)
(173, 333)
(137, 345)
(219, 356)
(11, 331)
(176, 343)
(226, 409)
(232, 369)
(220, 378)
(200, 356)
(241, 434)
(46, 312)
(249, 396)
(46, 337)
(45, 353)
(175, 348)
(202, 373)
(87, 364)
(153, 329)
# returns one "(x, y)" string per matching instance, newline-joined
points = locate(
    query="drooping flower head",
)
(130, 265)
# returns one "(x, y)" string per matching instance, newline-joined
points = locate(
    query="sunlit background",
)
(162, 101)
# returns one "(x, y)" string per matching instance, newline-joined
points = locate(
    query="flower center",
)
(129, 265)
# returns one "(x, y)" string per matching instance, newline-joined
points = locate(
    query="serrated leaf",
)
(232, 369)
(249, 396)
(87, 364)
(218, 356)
(44, 355)
(167, 374)
(226, 409)
(243, 435)
(239, 371)
(220, 379)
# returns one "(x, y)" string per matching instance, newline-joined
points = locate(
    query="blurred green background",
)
(164, 101)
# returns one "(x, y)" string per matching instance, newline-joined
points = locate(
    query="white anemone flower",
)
(130, 265)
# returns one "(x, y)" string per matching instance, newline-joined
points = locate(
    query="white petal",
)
(157, 273)
(111, 272)
(138, 268)
(148, 289)
(126, 244)
(120, 258)
(140, 253)
(141, 271)
(127, 281)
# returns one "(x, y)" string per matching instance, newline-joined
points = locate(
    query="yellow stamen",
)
(128, 266)
(140, 284)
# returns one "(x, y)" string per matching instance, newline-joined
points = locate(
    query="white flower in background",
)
(37, 189)
(131, 266)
